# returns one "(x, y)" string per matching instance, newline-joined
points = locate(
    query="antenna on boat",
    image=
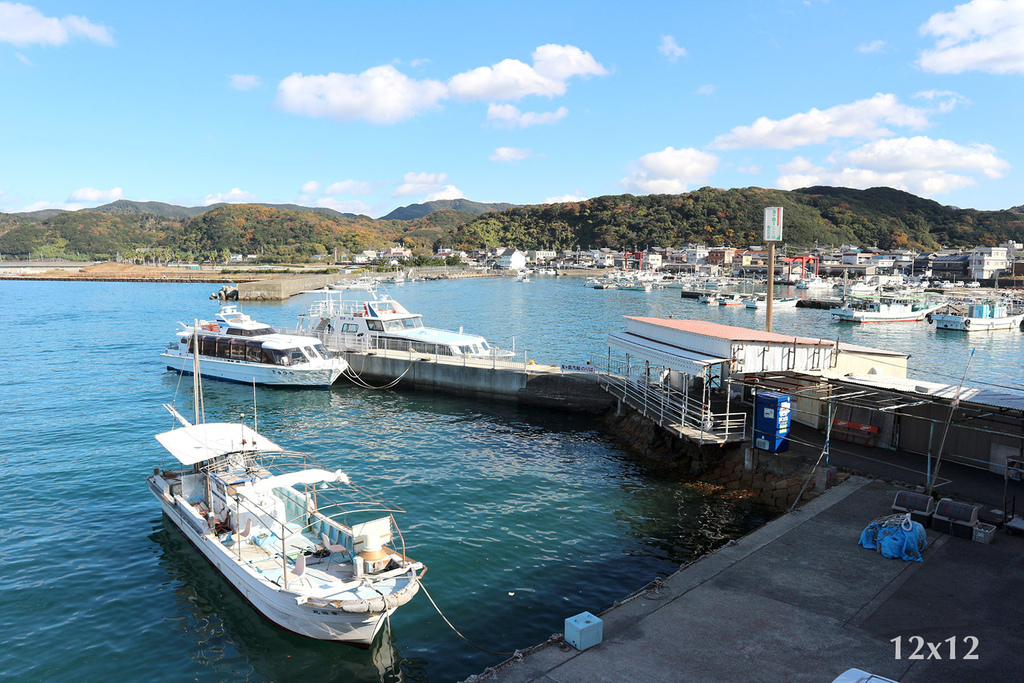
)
(255, 420)
(197, 385)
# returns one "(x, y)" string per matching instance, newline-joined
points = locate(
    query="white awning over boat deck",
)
(206, 441)
(667, 356)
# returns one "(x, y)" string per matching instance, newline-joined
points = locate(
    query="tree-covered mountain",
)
(414, 211)
(880, 217)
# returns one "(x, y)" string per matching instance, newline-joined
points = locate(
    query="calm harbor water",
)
(524, 517)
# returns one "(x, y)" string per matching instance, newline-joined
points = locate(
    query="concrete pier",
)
(542, 386)
(800, 600)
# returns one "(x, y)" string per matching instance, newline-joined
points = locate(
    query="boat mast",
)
(197, 385)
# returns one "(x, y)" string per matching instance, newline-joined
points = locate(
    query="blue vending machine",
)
(771, 421)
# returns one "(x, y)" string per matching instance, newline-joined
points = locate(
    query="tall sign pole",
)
(772, 234)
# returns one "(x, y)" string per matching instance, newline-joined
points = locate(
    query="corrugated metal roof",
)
(985, 397)
(669, 356)
(729, 332)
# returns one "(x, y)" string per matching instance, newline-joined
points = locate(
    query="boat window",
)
(324, 353)
(256, 332)
(375, 325)
(349, 328)
(223, 348)
(254, 351)
(393, 326)
(412, 323)
(207, 346)
(238, 349)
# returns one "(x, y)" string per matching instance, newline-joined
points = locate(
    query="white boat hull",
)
(962, 323)
(277, 605)
(320, 375)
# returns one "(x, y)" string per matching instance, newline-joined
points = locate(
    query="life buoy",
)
(967, 323)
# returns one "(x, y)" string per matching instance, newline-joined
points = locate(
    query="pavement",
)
(800, 600)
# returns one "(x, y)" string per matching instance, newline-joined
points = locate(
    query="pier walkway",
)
(800, 600)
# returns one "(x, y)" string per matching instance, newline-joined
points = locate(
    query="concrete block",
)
(583, 630)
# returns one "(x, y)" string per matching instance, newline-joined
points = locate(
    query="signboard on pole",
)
(773, 224)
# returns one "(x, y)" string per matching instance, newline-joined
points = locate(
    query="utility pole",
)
(772, 234)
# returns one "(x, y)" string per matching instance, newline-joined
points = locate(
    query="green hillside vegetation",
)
(879, 217)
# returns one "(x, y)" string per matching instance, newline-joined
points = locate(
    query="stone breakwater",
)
(716, 467)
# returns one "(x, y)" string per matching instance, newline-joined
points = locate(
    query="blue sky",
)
(364, 108)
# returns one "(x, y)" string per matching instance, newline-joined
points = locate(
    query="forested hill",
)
(824, 215)
(880, 217)
(413, 211)
(275, 234)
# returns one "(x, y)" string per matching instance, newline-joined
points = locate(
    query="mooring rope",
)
(351, 375)
(516, 653)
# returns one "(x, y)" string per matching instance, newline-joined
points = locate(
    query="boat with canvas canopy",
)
(310, 550)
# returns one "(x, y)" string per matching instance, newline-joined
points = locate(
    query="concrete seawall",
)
(542, 386)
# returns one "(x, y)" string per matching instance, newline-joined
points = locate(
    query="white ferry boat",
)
(383, 323)
(236, 348)
(285, 532)
(883, 311)
(760, 301)
(978, 317)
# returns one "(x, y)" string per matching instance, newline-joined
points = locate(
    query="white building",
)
(985, 263)
(512, 259)
(540, 255)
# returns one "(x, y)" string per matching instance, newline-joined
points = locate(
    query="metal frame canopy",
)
(666, 355)
(212, 439)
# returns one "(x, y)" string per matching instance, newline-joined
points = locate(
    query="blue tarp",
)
(896, 536)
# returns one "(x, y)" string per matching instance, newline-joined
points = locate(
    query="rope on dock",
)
(354, 377)
(515, 653)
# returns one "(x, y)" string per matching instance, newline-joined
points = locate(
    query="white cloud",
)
(236, 196)
(420, 183)
(379, 95)
(508, 116)
(873, 47)
(416, 63)
(446, 192)
(511, 79)
(23, 25)
(670, 50)
(244, 81)
(348, 187)
(669, 171)
(23, 59)
(921, 165)
(90, 195)
(946, 100)
(750, 170)
(706, 90)
(510, 154)
(863, 119)
(564, 198)
(312, 187)
(981, 35)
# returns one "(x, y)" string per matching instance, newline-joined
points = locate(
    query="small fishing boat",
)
(308, 549)
(730, 300)
(883, 311)
(978, 317)
(760, 301)
(236, 348)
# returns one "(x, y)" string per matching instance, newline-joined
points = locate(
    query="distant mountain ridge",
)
(127, 207)
(414, 211)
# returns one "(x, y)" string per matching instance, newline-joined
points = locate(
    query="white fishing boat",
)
(978, 317)
(380, 322)
(366, 283)
(308, 549)
(814, 283)
(883, 311)
(760, 301)
(236, 348)
(730, 300)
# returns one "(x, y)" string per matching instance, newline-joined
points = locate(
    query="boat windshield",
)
(322, 350)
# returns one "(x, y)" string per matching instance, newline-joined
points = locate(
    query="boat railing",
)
(688, 414)
(365, 343)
